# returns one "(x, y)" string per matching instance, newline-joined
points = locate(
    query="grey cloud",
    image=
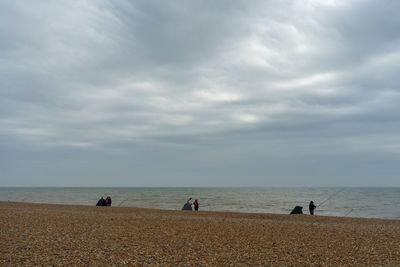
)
(226, 91)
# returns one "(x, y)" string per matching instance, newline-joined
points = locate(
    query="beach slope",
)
(44, 234)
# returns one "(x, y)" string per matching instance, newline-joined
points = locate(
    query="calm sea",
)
(350, 202)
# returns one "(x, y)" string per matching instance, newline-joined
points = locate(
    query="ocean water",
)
(349, 202)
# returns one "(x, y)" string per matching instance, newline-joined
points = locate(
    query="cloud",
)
(200, 82)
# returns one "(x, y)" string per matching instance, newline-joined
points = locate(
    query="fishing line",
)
(348, 212)
(329, 198)
(122, 202)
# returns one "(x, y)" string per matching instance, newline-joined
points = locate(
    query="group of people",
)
(296, 210)
(104, 202)
(299, 209)
(188, 205)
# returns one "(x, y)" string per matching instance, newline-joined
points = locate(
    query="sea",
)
(364, 202)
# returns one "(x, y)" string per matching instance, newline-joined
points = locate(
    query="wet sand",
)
(43, 234)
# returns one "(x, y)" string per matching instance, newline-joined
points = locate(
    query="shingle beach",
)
(60, 235)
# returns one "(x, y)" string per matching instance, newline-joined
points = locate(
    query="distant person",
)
(100, 202)
(196, 205)
(188, 205)
(108, 201)
(311, 207)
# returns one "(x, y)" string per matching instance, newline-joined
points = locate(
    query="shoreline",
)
(355, 202)
(33, 233)
(202, 210)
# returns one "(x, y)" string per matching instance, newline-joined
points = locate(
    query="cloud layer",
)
(200, 93)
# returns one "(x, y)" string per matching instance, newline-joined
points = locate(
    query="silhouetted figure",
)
(311, 207)
(297, 210)
(100, 202)
(196, 205)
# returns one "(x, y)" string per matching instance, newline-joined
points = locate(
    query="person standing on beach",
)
(311, 207)
(196, 205)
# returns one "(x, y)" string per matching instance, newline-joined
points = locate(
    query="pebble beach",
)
(60, 235)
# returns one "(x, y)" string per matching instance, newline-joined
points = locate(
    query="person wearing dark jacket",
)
(311, 207)
(187, 206)
(196, 205)
(108, 201)
(100, 202)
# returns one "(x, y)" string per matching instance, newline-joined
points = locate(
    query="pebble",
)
(60, 235)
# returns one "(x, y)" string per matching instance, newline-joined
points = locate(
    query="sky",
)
(200, 93)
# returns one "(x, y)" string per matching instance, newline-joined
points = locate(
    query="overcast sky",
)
(200, 93)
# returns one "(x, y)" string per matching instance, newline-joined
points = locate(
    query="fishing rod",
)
(121, 202)
(126, 199)
(329, 198)
(348, 212)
